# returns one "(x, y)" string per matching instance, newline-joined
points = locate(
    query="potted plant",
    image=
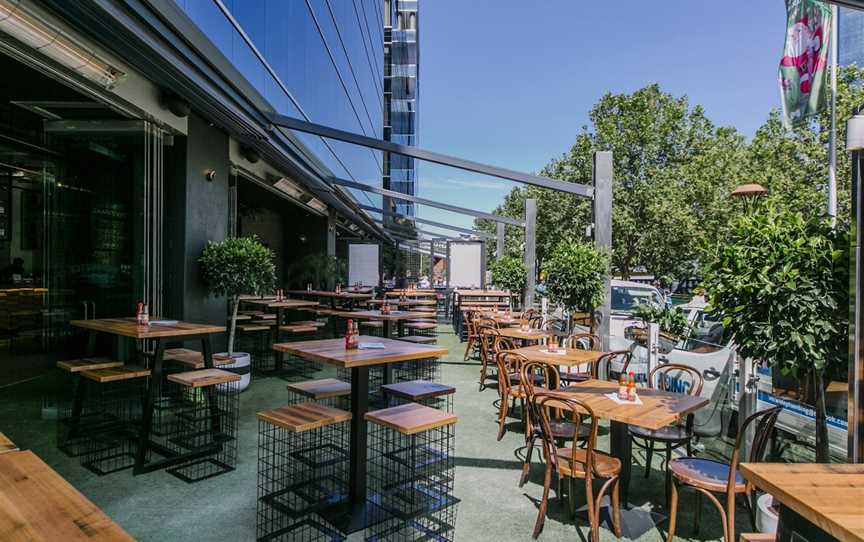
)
(508, 273)
(672, 321)
(323, 272)
(236, 266)
(780, 283)
(576, 275)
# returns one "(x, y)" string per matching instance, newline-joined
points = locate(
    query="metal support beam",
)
(482, 234)
(855, 408)
(401, 233)
(602, 173)
(331, 232)
(530, 251)
(423, 201)
(499, 240)
(429, 156)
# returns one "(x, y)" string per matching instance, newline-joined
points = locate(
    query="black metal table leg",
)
(357, 469)
(400, 328)
(149, 402)
(621, 447)
(279, 356)
(386, 329)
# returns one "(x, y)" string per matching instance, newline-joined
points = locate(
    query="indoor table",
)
(350, 518)
(159, 333)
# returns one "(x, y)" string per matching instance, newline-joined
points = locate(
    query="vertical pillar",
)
(530, 250)
(602, 173)
(331, 232)
(855, 412)
(499, 239)
(431, 260)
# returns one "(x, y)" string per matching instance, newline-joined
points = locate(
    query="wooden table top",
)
(333, 352)
(127, 327)
(406, 302)
(502, 319)
(658, 408)
(327, 293)
(483, 293)
(285, 304)
(392, 315)
(830, 496)
(570, 357)
(529, 335)
(37, 504)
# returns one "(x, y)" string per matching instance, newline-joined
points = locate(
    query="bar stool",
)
(255, 339)
(113, 403)
(418, 339)
(411, 474)
(371, 327)
(302, 471)
(428, 329)
(425, 393)
(327, 391)
(207, 407)
(297, 367)
(71, 433)
(428, 369)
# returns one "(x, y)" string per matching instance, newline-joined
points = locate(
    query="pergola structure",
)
(599, 190)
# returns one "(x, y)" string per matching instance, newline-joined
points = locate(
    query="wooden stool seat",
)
(88, 364)
(116, 374)
(417, 390)
(323, 388)
(192, 359)
(410, 418)
(253, 328)
(304, 416)
(266, 316)
(372, 323)
(421, 325)
(203, 377)
(243, 317)
(418, 339)
(315, 323)
(297, 328)
(6, 444)
(758, 537)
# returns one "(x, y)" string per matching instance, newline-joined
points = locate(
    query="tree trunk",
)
(235, 303)
(822, 452)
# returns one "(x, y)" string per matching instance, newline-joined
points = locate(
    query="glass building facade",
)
(326, 65)
(850, 48)
(401, 93)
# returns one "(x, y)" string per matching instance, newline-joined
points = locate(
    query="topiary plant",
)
(236, 266)
(508, 273)
(576, 275)
(672, 320)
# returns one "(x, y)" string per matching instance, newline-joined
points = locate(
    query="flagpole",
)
(832, 136)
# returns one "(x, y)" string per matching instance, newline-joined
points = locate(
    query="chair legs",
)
(529, 449)
(544, 500)
(673, 513)
(727, 515)
(649, 455)
(468, 348)
(503, 409)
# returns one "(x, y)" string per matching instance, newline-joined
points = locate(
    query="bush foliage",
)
(508, 272)
(576, 275)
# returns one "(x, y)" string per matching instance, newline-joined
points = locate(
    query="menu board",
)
(466, 264)
(363, 264)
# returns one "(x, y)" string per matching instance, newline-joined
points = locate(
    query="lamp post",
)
(749, 193)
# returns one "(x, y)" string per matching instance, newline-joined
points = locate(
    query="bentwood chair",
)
(573, 463)
(487, 334)
(578, 341)
(473, 339)
(535, 321)
(602, 369)
(707, 476)
(508, 364)
(673, 377)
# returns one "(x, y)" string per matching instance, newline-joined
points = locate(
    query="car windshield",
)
(627, 298)
(706, 334)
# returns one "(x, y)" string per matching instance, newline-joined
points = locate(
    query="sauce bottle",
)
(349, 330)
(631, 387)
(145, 316)
(623, 393)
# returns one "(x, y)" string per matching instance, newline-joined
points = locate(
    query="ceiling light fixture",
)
(26, 26)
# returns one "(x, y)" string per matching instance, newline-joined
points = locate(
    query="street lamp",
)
(749, 193)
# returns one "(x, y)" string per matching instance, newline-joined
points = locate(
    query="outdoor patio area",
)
(157, 506)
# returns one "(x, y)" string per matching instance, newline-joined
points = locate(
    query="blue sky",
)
(510, 83)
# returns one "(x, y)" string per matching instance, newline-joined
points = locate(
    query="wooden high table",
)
(332, 296)
(532, 335)
(333, 352)
(280, 307)
(823, 502)
(37, 504)
(159, 333)
(566, 357)
(658, 409)
(400, 317)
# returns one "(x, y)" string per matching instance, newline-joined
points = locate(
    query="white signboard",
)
(363, 264)
(466, 265)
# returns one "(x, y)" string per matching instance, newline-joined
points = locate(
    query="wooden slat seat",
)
(242, 317)
(418, 339)
(192, 359)
(203, 377)
(417, 390)
(421, 325)
(266, 316)
(315, 323)
(323, 388)
(411, 418)
(88, 364)
(116, 374)
(297, 328)
(253, 328)
(374, 324)
(6, 444)
(304, 416)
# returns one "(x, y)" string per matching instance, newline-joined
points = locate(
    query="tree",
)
(508, 272)
(576, 275)
(779, 282)
(237, 266)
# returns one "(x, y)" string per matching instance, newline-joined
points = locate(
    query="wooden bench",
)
(417, 390)
(253, 328)
(418, 339)
(116, 374)
(323, 388)
(38, 504)
(6, 444)
(421, 325)
(203, 377)
(304, 416)
(411, 418)
(87, 364)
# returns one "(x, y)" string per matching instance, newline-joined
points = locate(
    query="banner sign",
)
(804, 84)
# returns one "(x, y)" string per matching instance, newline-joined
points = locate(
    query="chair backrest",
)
(764, 420)
(676, 377)
(528, 313)
(487, 335)
(555, 324)
(573, 410)
(508, 363)
(502, 343)
(535, 321)
(537, 376)
(583, 341)
(605, 362)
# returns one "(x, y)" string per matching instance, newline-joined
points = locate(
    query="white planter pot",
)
(242, 364)
(766, 519)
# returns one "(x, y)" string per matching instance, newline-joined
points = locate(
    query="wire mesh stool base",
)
(422, 369)
(376, 379)
(112, 416)
(257, 343)
(300, 476)
(441, 402)
(410, 495)
(205, 420)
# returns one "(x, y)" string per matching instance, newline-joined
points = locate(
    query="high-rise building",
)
(401, 92)
(850, 48)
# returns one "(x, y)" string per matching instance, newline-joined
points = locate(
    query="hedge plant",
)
(576, 275)
(508, 273)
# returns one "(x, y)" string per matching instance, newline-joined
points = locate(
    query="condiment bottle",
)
(138, 312)
(145, 316)
(349, 330)
(631, 387)
(355, 336)
(623, 392)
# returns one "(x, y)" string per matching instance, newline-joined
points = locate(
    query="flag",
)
(804, 84)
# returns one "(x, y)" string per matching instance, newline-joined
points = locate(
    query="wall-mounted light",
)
(175, 104)
(20, 21)
(210, 175)
(250, 153)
